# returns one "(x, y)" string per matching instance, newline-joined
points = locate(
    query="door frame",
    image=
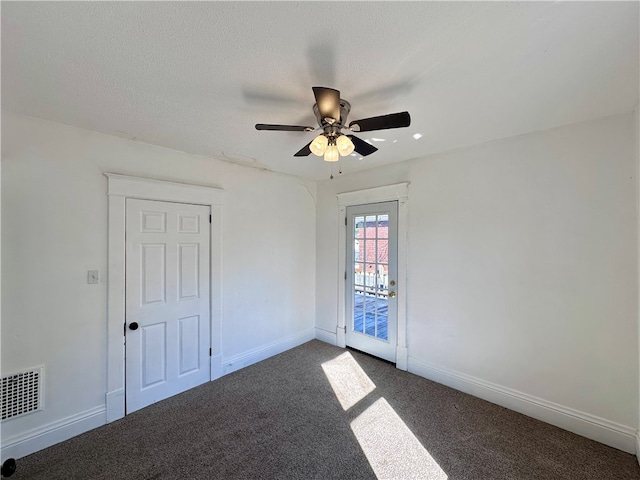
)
(121, 187)
(399, 192)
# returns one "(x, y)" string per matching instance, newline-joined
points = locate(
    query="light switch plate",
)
(93, 276)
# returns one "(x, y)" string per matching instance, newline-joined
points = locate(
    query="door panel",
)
(371, 277)
(188, 271)
(167, 296)
(153, 354)
(189, 346)
(152, 274)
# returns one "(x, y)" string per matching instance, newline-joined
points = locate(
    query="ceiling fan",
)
(331, 112)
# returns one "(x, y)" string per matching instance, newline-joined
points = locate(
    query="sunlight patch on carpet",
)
(349, 382)
(392, 449)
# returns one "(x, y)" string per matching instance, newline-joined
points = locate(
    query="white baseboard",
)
(326, 336)
(596, 428)
(237, 362)
(638, 446)
(39, 438)
(115, 405)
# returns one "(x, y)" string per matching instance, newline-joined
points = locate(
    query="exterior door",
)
(372, 246)
(167, 300)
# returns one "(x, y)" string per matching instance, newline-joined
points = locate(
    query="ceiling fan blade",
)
(362, 147)
(328, 101)
(304, 151)
(283, 128)
(383, 122)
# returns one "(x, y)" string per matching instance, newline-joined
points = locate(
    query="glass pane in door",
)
(371, 275)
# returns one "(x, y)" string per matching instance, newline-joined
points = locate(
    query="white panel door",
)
(167, 300)
(372, 269)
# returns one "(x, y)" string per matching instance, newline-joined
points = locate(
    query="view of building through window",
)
(371, 274)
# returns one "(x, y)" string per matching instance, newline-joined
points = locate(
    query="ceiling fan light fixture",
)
(345, 145)
(319, 145)
(332, 154)
(331, 113)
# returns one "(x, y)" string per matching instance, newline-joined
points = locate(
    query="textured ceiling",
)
(197, 76)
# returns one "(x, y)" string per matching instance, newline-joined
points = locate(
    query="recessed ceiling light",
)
(395, 141)
(378, 140)
(361, 158)
(417, 135)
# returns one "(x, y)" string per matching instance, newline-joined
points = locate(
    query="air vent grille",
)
(21, 393)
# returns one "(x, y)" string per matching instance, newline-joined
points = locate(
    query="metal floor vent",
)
(22, 393)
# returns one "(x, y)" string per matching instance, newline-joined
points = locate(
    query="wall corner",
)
(636, 129)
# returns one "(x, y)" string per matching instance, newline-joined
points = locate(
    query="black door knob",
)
(133, 326)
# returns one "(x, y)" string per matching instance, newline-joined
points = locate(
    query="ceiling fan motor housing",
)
(333, 129)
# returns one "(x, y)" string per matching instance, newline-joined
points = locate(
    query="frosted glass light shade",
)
(319, 145)
(345, 145)
(331, 155)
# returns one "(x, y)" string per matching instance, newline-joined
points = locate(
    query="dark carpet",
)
(283, 419)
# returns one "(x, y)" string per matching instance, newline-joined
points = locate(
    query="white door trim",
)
(399, 192)
(120, 188)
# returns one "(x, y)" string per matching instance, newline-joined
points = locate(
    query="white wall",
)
(522, 280)
(54, 228)
(522, 265)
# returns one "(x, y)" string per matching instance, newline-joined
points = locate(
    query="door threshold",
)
(371, 355)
